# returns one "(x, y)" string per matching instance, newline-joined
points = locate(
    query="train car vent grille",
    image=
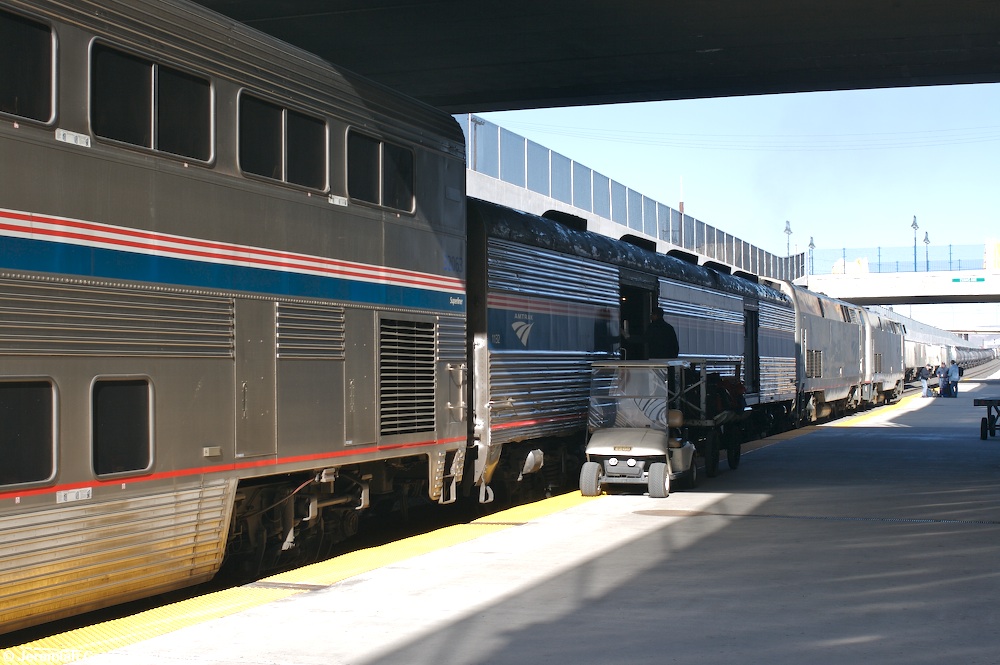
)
(406, 377)
(311, 333)
(814, 364)
(54, 319)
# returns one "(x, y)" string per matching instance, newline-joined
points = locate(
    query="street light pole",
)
(788, 249)
(914, 227)
(927, 255)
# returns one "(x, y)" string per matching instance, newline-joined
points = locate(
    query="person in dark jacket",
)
(661, 338)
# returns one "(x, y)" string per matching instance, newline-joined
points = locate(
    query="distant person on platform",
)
(942, 376)
(660, 337)
(923, 374)
(953, 375)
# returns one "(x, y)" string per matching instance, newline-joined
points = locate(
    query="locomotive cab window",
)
(379, 172)
(282, 144)
(121, 436)
(146, 104)
(27, 429)
(26, 54)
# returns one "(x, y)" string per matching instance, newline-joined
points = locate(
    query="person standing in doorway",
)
(661, 337)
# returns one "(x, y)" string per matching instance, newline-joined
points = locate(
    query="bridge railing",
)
(519, 162)
(929, 258)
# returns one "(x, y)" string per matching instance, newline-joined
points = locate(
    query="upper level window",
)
(25, 68)
(146, 104)
(282, 144)
(379, 172)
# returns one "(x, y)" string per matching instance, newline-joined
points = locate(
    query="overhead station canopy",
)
(469, 57)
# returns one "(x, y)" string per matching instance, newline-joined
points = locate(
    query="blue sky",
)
(848, 169)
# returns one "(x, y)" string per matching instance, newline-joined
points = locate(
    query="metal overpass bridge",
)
(909, 288)
(468, 57)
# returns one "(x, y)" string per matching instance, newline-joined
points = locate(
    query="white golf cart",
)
(646, 417)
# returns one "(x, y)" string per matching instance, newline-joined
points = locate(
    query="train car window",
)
(121, 426)
(282, 144)
(306, 159)
(183, 114)
(397, 177)
(362, 168)
(145, 104)
(26, 54)
(260, 137)
(27, 434)
(122, 97)
(380, 173)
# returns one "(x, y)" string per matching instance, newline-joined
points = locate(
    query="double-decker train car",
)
(232, 302)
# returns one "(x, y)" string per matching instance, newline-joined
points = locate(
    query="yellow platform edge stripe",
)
(100, 638)
(876, 412)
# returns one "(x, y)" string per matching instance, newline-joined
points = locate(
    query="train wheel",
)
(983, 428)
(659, 481)
(733, 453)
(590, 479)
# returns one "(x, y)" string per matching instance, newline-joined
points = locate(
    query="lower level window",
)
(121, 417)
(26, 432)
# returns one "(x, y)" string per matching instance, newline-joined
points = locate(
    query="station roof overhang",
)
(472, 57)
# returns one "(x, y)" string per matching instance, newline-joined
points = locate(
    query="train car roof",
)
(524, 228)
(200, 40)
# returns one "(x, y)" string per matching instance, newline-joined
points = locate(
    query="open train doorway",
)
(639, 295)
(751, 348)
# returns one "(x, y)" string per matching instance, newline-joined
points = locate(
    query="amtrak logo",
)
(522, 329)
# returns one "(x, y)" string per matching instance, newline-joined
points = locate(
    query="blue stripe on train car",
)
(82, 261)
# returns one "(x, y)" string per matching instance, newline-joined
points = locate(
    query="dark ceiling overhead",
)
(512, 54)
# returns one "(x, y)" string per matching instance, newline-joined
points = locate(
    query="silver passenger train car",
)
(926, 345)
(546, 300)
(233, 301)
(846, 357)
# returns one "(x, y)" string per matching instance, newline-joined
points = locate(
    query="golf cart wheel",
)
(691, 479)
(712, 454)
(590, 479)
(733, 453)
(659, 481)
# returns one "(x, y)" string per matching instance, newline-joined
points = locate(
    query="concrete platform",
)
(874, 539)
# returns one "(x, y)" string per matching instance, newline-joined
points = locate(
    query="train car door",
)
(751, 347)
(639, 295)
(255, 379)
